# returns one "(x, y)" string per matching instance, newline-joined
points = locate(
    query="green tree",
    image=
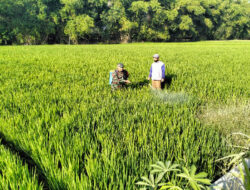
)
(50, 26)
(111, 20)
(27, 21)
(53, 21)
(19, 22)
(116, 26)
(79, 27)
(186, 18)
(234, 21)
(151, 19)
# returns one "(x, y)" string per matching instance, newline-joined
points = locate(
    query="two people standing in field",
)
(157, 74)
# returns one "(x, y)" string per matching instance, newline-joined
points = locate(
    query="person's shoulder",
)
(162, 63)
(115, 72)
(125, 71)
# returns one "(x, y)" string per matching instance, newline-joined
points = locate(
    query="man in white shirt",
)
(157, 72)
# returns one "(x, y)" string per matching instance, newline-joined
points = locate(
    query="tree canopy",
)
(114, 21)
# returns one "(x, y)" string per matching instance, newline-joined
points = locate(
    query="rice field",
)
(57, 108)
(15, 174)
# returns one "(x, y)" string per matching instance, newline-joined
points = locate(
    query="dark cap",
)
(120, 65)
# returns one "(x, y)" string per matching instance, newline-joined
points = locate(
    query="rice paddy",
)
(57, 107)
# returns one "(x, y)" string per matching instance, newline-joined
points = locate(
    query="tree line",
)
(115, 21)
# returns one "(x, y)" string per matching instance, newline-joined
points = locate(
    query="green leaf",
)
(194, 185)
(146, 179)
(159, 178)
(193, 170)
(142, 183)
(201, 175)
(204, 181)
(170, 186)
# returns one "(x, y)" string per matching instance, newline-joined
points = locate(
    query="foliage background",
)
(115, 21)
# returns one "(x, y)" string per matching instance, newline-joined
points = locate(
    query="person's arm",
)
(117, 80)
(126, 75)
(150, 73)
(163, 68)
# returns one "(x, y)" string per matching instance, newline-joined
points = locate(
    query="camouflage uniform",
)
(119, 78)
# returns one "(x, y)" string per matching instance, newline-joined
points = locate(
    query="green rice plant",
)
(245, 150)
(57, 107)
(16, 175)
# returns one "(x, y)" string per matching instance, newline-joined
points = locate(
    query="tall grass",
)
(14, 174)
(57, 106)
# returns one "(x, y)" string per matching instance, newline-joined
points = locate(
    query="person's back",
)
(157, 70)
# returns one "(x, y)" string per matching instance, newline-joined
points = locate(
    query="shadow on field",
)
(168, 80)
(25, 157)
(166, 84)
(138, 84)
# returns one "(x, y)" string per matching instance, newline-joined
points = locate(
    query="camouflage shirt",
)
(119, 79)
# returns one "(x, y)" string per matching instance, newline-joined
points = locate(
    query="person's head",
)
(156, 57)
(120, 67)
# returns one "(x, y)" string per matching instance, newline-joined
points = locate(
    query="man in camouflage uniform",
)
(120, 77)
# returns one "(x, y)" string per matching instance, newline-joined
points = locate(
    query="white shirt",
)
(157, 71)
